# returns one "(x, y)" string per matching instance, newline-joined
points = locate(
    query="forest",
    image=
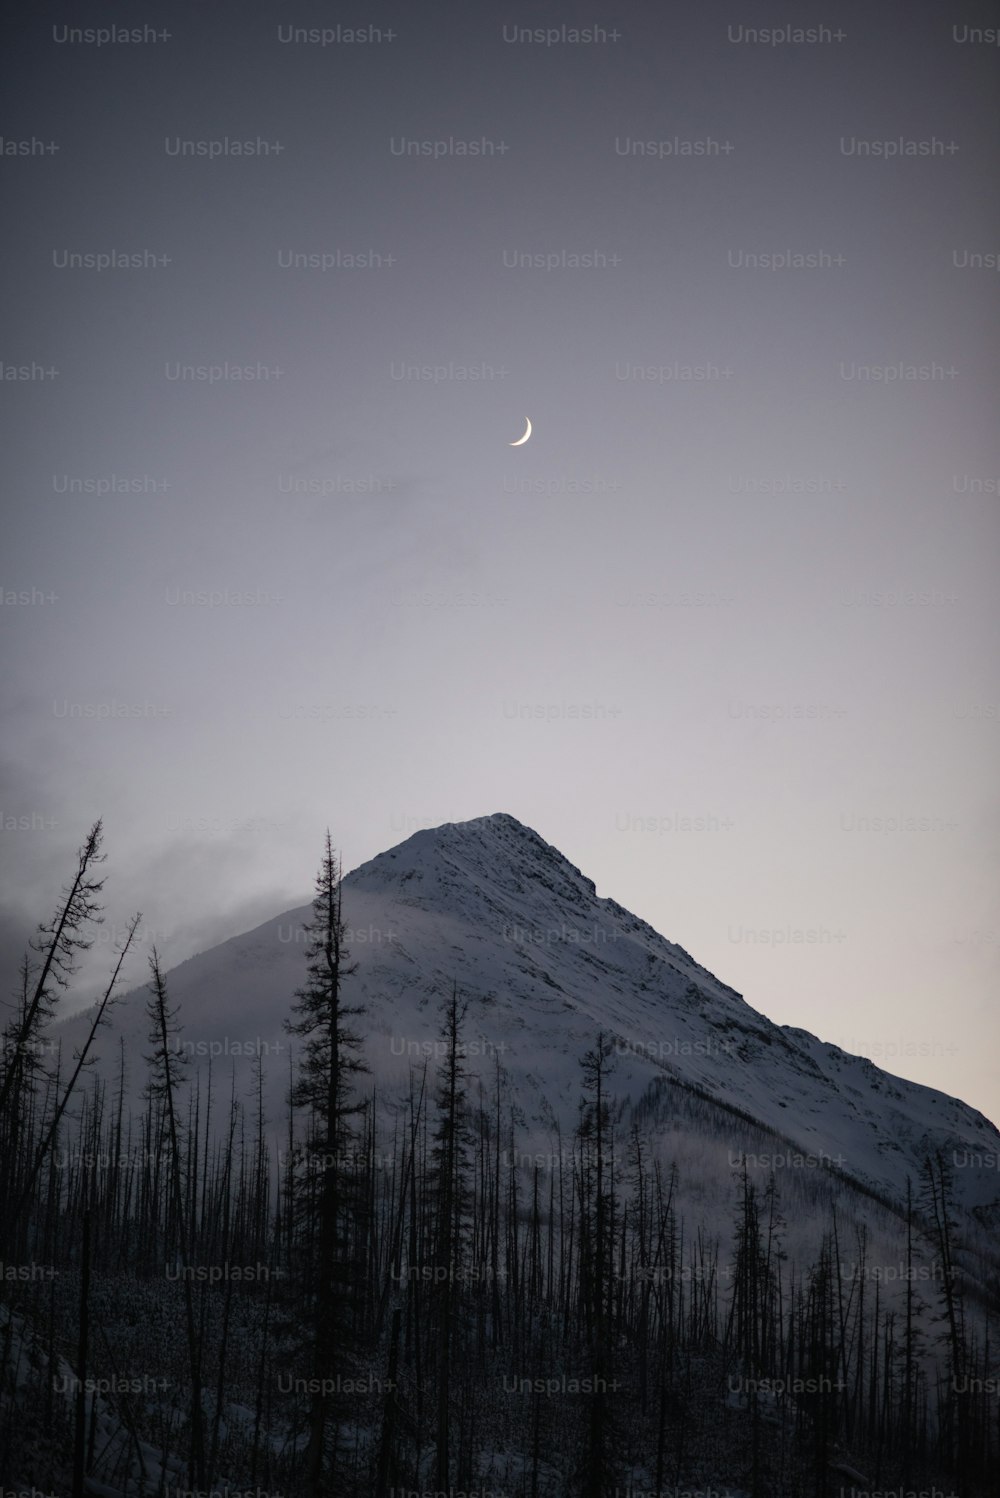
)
(402, 1294)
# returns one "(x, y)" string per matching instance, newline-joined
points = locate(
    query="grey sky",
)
(744, 571)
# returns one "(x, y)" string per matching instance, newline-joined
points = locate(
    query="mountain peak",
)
(486, 856)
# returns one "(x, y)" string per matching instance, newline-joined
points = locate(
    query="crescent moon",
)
(522, 440)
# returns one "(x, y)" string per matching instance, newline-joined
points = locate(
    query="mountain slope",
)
(546, 964)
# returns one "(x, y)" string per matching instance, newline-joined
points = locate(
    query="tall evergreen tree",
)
(166, 1068)
(329, 1179)
(595, 1139)
(450, 1164)
(937, 1203)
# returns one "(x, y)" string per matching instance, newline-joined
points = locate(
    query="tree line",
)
(389, 1294)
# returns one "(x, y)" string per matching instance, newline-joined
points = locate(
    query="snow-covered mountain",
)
(545, 965)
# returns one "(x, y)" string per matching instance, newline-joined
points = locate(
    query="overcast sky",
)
(724, 630)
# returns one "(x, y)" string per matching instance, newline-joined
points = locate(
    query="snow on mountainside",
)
(546, 964)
